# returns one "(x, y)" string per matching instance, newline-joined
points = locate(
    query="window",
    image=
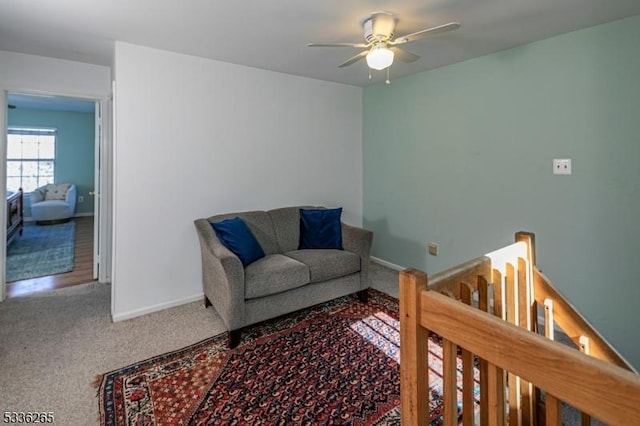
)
(31, 155)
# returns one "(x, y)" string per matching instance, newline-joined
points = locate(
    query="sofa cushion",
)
(320, 229)
(274, 274)
(261, 227)
(326, 264)
(56, 191)
(237, 237)
(286, 224)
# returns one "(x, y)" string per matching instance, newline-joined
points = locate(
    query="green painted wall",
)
(462, 156)
(74, 148)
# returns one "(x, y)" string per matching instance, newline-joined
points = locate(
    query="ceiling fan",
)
(380, 46)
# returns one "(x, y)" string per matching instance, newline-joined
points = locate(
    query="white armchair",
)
(53, 203)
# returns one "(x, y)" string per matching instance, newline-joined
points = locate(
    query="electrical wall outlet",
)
(562, 166)
(80, 199)
(433, 249)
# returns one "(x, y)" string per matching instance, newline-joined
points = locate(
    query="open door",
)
(102, 194)
(96, 194)
(3, 189)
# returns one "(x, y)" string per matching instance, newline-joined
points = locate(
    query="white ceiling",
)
(273, 34)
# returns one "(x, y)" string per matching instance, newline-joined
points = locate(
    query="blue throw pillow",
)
(320, 229)
(237, 237)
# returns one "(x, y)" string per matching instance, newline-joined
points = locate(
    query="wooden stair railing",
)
(515, 361)
(568, 319)
(574, 325)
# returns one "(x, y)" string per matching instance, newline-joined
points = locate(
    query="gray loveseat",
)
(286, 279)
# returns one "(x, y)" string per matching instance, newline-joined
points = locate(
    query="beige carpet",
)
(53, 345)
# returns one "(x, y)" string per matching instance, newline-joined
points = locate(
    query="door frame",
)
(3, 191)
(103, 207)
(103, 231)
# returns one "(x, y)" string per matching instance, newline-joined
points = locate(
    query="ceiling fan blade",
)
(354, 59)
(404, 55)
(425, 33)
(357, 45)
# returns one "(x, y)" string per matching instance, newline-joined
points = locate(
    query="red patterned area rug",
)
(335, 363)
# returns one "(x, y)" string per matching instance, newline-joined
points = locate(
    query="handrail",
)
(575, 325)
(568, 318)
(562, 372)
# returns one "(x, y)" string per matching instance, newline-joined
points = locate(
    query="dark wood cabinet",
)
(15, 217)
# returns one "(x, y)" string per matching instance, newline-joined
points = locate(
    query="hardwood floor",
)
(82, 265)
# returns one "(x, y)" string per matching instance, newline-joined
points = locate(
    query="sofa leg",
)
(207, 303)
(363, 295)
(234, 338)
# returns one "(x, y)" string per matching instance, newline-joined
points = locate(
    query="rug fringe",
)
(97, 381)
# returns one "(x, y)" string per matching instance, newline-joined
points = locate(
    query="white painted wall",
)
(196, 137)
(40, 74)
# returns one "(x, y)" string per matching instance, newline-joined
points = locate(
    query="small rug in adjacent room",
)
(41, 250)
(335, 363)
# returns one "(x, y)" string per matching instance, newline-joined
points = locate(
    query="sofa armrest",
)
(37, 195)
(357, 240)
(70, 198)
(222, 277)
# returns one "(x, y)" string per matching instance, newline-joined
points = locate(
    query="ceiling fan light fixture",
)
(379, 57)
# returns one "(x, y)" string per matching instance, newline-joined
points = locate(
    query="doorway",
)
(77, 160)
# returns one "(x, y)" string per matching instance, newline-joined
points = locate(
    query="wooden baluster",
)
(498, 294)
(553, 412)
(483, 305)
(584, 344)
(513, 381)
(552, 405)
(468, 383)
(449, 383)
(548, 319)
(524, 295)
(497, 385)
(512, 295)
(584, 348)
(524, 310)
(414, 366)
(499, 310)
(495, 381)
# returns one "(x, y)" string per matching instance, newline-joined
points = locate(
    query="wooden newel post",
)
(530, 239)
(414, 378)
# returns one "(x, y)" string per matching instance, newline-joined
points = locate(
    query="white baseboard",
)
(155, 308)
(387, 264)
